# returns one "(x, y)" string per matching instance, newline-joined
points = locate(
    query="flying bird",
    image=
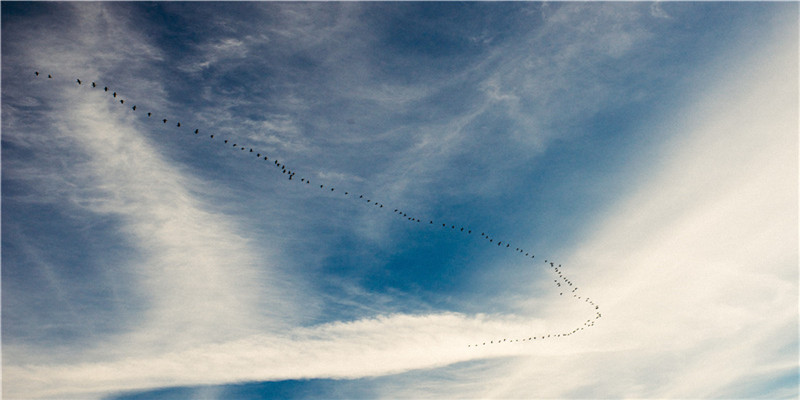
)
(79, 81)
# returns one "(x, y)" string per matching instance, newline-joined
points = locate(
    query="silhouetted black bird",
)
(115, 94)
(251, 150)
(198, 130)
(148, 114)
(165, 120)
(79, 81)
(37, 73)
(49, 76)
(121, 101)
(105, 88)
(134, 108)
(179, 125)
(93, 84)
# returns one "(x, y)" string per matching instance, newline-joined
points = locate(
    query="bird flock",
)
(564, 285)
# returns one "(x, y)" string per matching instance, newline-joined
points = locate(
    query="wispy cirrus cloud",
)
(220, 263)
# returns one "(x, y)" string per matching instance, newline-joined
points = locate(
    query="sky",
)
(649, 151)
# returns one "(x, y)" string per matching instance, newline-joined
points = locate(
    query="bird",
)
(196, 131)
(105, 88)
(121, 101)
(79, 81)
(93, 84)
(37, 73)
(179, 124)
(49, 76)
(148, 114)
(165, 120)
(134, 108)
(115, 94)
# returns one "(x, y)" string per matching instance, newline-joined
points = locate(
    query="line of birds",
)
(567, 284)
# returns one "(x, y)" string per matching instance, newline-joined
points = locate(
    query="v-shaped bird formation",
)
(561, 282)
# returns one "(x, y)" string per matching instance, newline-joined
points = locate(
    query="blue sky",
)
(649, 148)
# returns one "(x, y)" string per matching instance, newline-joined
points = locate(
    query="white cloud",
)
(694, 272)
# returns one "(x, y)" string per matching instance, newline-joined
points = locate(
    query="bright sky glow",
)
(651, 149)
